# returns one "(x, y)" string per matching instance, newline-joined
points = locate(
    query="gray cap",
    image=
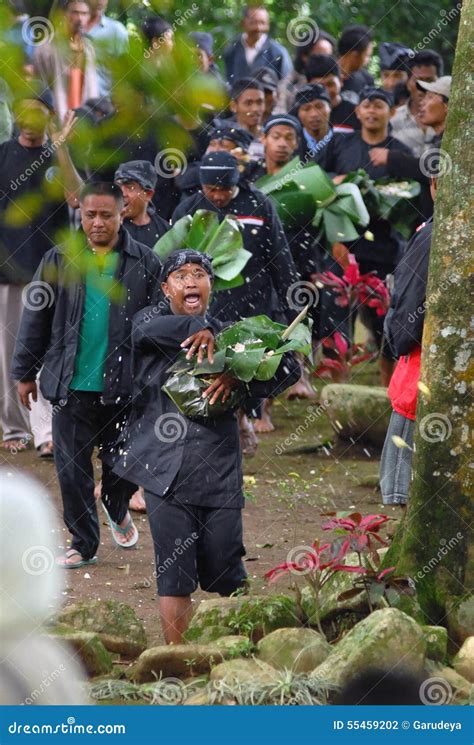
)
(441, 86)
(141, 171)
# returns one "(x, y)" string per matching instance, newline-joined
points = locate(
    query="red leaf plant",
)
(358, 534)
(354, 288)
(318, 564)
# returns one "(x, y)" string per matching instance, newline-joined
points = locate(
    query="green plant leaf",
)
(174, 238)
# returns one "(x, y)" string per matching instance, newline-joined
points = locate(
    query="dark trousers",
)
(79, 425)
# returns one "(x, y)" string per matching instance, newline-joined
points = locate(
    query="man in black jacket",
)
(381, 246)
(80, 337)
(190, 467)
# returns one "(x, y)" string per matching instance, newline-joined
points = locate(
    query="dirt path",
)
(291, 481)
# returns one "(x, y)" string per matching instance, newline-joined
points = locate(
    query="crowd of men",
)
(112, 196)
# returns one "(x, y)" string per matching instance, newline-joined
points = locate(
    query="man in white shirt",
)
(110, 39)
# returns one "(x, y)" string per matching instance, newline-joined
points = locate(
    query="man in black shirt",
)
(353, 151)
(324, 70)
(36, 174)
(137, 181)
(312, 107)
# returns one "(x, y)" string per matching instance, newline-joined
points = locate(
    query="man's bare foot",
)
(301, 389)
(72, 559)
(265, 424)
(14, 446)
(131, 531)
(137, 501)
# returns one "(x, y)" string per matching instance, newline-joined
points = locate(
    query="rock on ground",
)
(358, 411)
(298, 650)
(463, 663)
(117, 625)
(436, 642)
(236, 672)
(90, 650)
(177, 660)
(387, 638)
(253, 615)
(460, 617)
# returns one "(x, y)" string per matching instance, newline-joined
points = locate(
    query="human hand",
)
(24, 390)
(222, 385)
(202, 341)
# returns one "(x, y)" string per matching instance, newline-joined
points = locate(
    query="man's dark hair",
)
(320, 65)
(383, 688)
(354, 38)
(102, 189)
(244, 84)
(426, 57)
(303, 49)
(154, 26)
(64, 5)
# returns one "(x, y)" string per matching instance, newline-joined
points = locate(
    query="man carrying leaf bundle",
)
(271, 269)
(190, 467)
(380, 247)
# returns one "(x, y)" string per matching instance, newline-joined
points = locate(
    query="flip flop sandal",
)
(45, 451)
(114, 529)
(69, 554)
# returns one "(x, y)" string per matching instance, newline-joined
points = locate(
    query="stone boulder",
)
(298, 650)
(436, 642)
(460, 618)
(89, 649)
(463, 663)
(117, 625)
(360, 412)
(236, 672)
(177, 661)
(386, 638)
(443, 685)
(253, 615)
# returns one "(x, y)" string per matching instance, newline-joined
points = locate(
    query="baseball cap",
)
(442, 86)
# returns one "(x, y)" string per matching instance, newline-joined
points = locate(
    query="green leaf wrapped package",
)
(222, 241)
(250, 349)
(306, 194)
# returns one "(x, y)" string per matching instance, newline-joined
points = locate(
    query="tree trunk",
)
(435, 538)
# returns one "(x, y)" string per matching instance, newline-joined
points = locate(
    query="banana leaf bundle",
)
(390, 200)
(221, 241)
(306, 195)
(251, 349)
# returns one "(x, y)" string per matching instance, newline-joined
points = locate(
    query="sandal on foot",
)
(115, 529)
(75, 565)
(45, 450)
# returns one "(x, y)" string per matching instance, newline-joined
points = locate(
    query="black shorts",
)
(195, 545)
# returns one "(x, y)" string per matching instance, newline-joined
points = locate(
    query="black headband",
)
(179, 258)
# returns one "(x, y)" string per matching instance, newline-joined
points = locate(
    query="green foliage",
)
(222, 241)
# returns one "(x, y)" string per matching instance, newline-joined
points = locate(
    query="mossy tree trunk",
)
(433, 547)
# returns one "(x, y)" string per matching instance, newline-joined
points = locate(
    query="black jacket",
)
(48, 336)
(269, 272)
(197, 461)
(404, 321)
